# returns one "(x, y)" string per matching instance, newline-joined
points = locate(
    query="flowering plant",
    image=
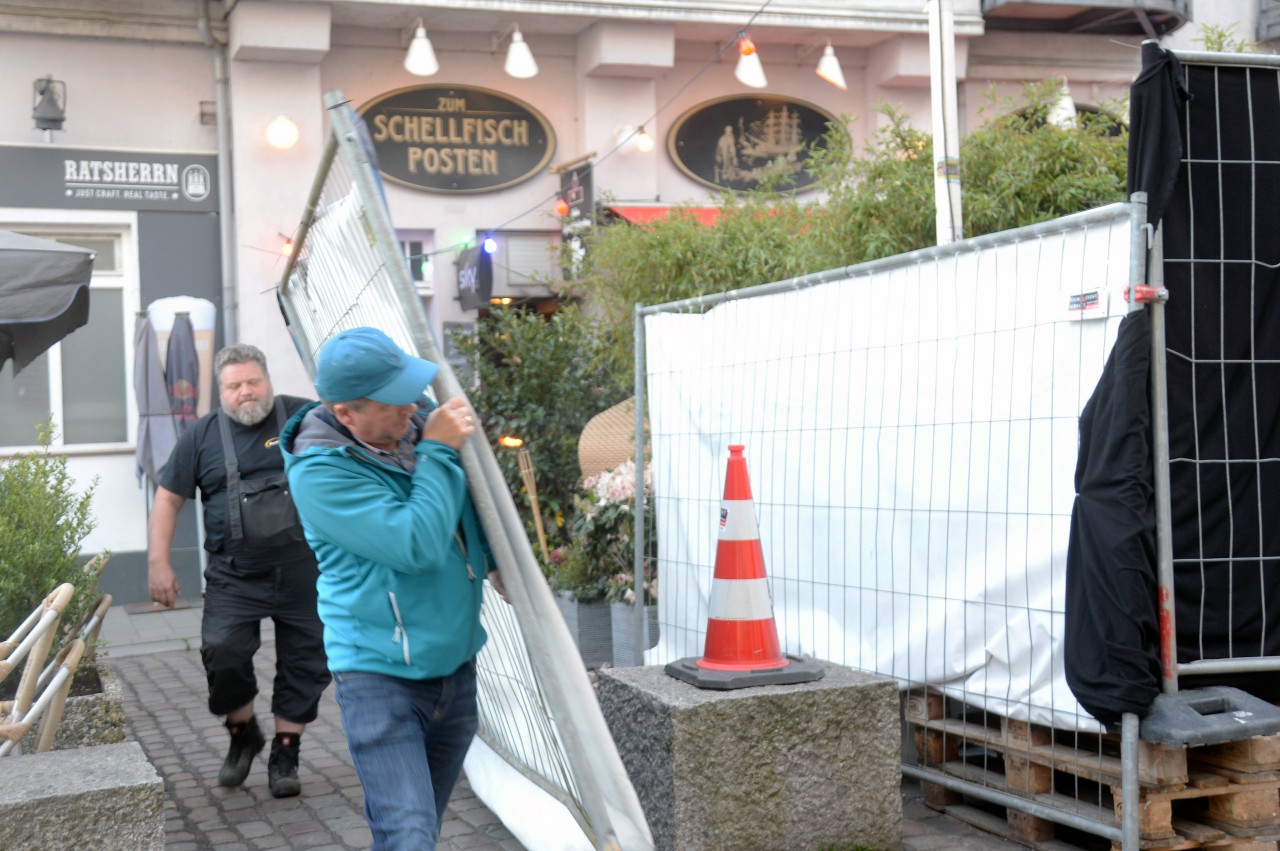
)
(622, 587)
(603, 533)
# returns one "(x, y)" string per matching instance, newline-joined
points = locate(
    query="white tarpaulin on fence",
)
(911, 437)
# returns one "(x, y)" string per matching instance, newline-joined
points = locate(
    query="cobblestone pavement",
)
(165, 693)
(158, 660)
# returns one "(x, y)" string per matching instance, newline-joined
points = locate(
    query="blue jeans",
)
(407, 739)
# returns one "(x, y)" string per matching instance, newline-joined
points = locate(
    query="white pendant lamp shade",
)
(520, 62)
(749, 71)
(829, 69)
(421, 58)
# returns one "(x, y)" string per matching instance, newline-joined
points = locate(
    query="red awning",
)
(642, 215)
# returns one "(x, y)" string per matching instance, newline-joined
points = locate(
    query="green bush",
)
(43, 521)
(1017, 169)
(541, 378)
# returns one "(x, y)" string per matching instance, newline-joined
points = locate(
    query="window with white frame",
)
(81, 381)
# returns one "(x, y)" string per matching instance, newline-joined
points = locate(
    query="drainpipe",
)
(226, 204)
(946, 135)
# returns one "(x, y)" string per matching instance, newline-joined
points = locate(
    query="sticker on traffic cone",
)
(742, 639)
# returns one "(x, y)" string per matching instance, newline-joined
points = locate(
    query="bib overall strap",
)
(234, 522)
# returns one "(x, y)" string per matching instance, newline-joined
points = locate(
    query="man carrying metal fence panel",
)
(384, 502)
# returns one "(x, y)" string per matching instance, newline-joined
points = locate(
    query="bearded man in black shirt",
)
(258, 565)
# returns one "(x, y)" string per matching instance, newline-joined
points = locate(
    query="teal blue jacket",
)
(402, 556)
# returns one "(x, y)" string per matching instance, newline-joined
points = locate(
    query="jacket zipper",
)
(400, 634)
(462, 545)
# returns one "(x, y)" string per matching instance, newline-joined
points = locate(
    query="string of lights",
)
(487, 240)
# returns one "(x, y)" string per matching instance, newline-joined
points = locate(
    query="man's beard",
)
(250, 413)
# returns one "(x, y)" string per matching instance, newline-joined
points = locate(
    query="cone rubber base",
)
(798, 671)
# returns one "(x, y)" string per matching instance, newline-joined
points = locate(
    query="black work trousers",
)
(239, 593)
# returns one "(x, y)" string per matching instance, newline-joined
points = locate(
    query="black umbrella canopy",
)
(44, 295)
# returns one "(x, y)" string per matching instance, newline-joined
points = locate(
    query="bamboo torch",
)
(526, 472)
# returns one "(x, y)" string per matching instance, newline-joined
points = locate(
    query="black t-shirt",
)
(197, 462)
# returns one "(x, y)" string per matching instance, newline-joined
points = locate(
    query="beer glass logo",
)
(195, 182)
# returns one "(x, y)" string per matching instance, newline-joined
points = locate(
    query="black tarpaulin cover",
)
(1111, 625)
(1223, 363)
(44, 295)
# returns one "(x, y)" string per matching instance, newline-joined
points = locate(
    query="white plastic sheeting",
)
(911, 437)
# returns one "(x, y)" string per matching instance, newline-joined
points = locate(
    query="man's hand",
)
(451, 423)
(161, 580)
(495, 579)
(163, 584)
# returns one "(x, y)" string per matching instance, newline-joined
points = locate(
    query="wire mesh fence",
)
(537, 708)
(911, 434)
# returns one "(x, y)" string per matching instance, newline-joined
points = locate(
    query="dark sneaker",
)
(282, 767)
(246, 743)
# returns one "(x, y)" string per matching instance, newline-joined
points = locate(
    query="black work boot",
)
(282, 767)
(246, 743)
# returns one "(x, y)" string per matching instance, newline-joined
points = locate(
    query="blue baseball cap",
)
(364, 363)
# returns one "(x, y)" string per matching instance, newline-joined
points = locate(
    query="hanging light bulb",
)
(421, 58)
(644, 142)
(282, 133)
(829, 69)
(520, 63)
(749, 71)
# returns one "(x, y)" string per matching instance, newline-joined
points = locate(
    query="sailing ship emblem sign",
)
(735, 142)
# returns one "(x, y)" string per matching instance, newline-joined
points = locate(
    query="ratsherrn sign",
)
(457, 139)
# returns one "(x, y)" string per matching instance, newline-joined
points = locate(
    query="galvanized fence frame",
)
(538, 709)
(1172, 669)
(1127, 831)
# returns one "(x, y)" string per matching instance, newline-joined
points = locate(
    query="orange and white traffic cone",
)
(742, 639)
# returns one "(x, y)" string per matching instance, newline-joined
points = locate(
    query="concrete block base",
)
(107, 797)
(770, 767)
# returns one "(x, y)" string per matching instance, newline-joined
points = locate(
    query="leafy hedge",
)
(43, 521)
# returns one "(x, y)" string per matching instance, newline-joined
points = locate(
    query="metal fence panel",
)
(1220, 267)
(537, 707)
(911, 435)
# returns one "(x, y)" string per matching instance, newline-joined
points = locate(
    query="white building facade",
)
(164, 167)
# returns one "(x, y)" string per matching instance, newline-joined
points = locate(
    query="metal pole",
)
(641, 506)
(1129, 820)
(1005, 799)
(946, 136)
(226, 195)
(1160, 462)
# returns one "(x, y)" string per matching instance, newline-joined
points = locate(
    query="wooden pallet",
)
(1221, 797)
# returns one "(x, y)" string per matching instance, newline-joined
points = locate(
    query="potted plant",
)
(621, 595)
(583, 572)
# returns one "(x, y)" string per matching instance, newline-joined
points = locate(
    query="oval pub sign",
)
(457, 139)
(735, 142)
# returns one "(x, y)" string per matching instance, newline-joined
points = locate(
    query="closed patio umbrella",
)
(157, 432)
(44, 295)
